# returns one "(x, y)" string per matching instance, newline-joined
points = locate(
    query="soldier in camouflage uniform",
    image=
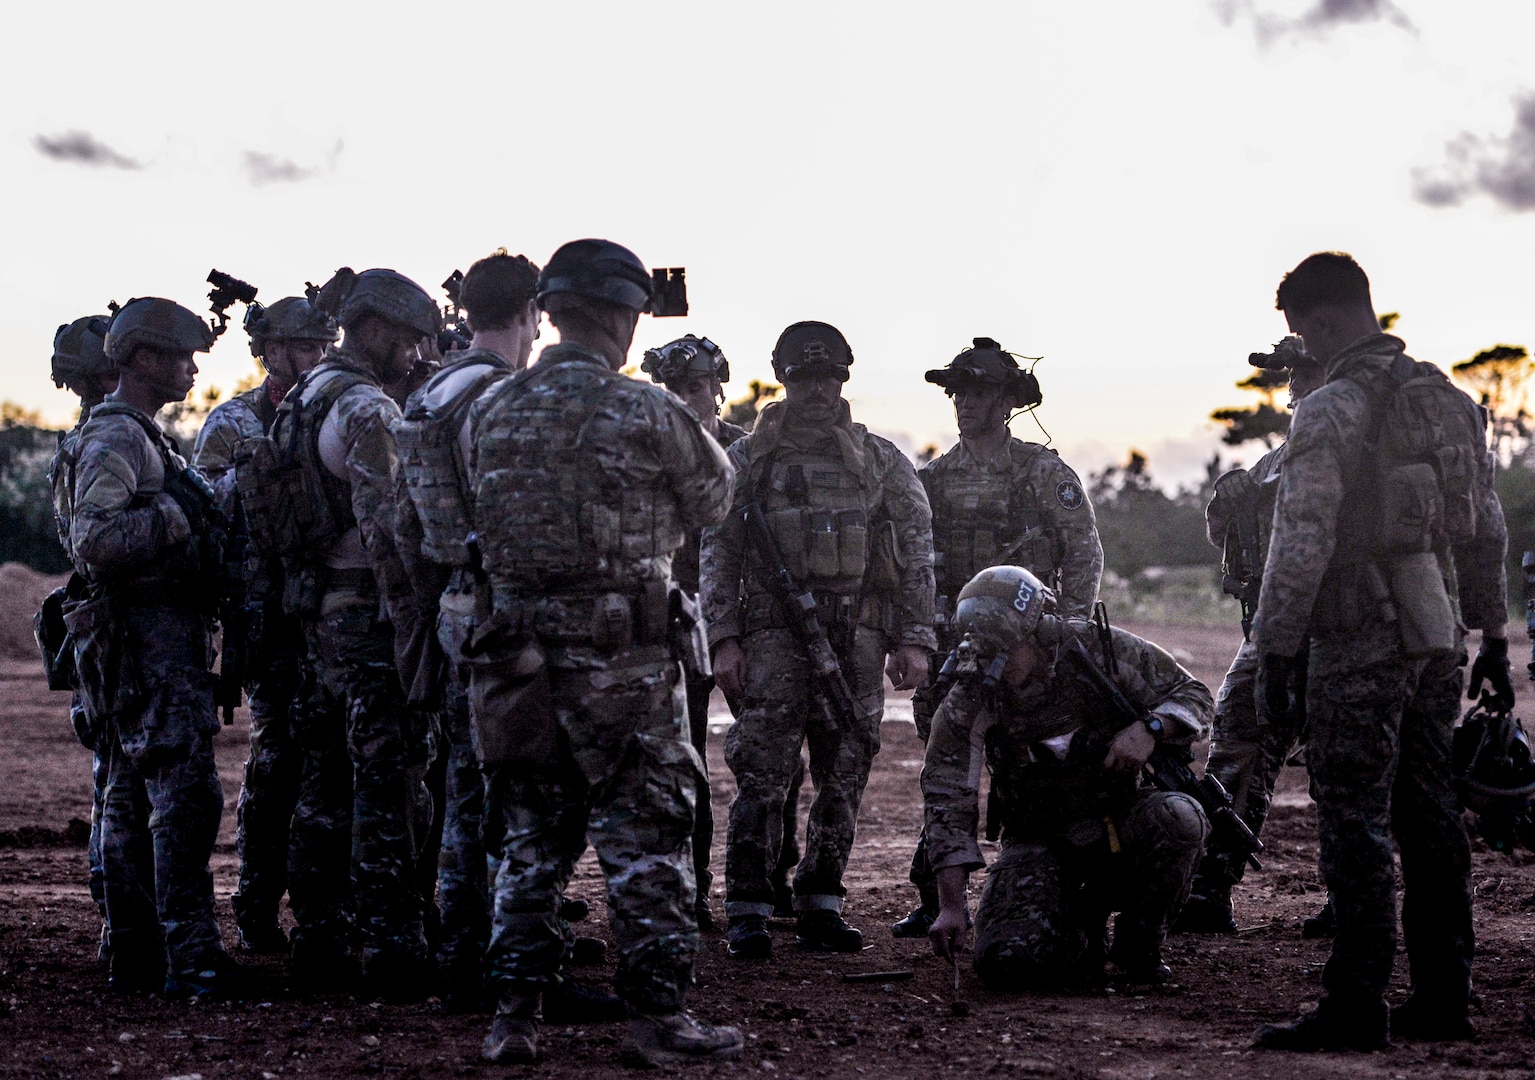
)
(1248, 746)
(288, 338)
(853, 525)
(366, 750)
(1083, 833)
(80, 364)
(995, 500)
(433, 524)
(585, 485)
(1363, 573)
(142, 531)
(695, 369)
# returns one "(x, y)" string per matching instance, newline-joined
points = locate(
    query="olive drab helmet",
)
(986, 362)
(293, 318)
(348, 296)
(158, 323)
(812, 349)
(595, 270)
(79, 350)
(1000, 607)
(686, 358)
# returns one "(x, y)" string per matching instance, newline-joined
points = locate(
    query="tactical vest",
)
(984, 518)
(556, 510)
(815, 508)
(61, 481)
(434, 470)
(293, 504)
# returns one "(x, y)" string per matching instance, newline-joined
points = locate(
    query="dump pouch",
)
(107, 681)
(512, 707)
(53, 640)
(1411, 507)
(1425, 615)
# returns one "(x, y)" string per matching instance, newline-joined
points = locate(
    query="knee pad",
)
(1179, 818)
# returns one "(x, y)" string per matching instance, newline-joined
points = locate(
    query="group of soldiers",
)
(481, 606)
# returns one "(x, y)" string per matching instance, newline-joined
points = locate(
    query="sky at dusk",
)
(1116, 187)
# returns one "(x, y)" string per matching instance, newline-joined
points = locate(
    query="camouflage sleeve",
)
(1480, 567)
(115, 525)
(700, 476)
(1151, 678)
(428, 578)
(1327, 426)
(222, 433)
(951, 779)
(1068, 513)
(364, 415)
(906, 505)
(722, 559)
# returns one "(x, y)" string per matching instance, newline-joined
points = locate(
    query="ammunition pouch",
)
(53, 636)
(821, 545)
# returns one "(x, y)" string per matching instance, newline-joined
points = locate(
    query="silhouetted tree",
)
(1499, 378)
(744, 411)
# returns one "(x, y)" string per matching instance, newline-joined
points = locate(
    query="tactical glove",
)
(1491, 664)
(1274, 684)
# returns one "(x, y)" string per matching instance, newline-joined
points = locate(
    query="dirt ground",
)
(802, 1019)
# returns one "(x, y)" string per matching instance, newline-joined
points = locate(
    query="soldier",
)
(80, 364)
(1358, 567)
(851, 523)
(366, 749)
(288, 338)
(1248, 747)
(432, 529)
(1083, 834)
(695, 369)
(144, 533)
(997, 499)
(585, 485)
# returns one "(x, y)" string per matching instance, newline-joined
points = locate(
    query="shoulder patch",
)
(1069, 493)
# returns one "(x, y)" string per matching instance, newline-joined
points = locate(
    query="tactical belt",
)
(359, 578)
(608, 620)
(157, 593)
(764, 612)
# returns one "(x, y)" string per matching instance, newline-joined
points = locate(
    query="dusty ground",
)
(56, 1018)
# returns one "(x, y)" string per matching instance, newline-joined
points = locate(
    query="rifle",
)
(1241, 572)
(235, 616)
(828, 685)
(1167, 768)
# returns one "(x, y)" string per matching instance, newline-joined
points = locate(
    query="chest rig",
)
(987, 516)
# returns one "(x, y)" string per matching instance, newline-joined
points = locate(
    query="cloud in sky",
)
(82, 148)
(1502, 168)
(261, 168)
(1315, 22)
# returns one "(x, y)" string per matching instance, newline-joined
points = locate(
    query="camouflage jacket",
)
(1024, 507)
(122, 526)
(1327, 458)
(1045, 745)
(849, 516)
(586, 481)
(61, 478)
(241, 417)
(685, 565)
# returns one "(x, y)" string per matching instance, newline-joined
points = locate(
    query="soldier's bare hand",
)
(1130, 749)
(948, 931)
(730, 669)
(907, 667)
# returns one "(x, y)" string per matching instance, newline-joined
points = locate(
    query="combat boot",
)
(573, 1002)
(677, 1038)
(513, 1038)
(749, 938)
(1137, 953)
(1420, 1020)
(587, 951)
(916, 925)
(214, 976)
(574, 909)
(261, 936)
(827, 931)
(1324, 924)
(136, 964)
(322, 965)
(1206, 913)
(1329, 1027)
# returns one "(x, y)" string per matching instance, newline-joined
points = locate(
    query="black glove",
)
(1274, 684)
(1491, 664)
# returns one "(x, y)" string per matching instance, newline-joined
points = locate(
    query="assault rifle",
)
(1241, 571)
(235, 616)
(828, 684)
(1168, 769)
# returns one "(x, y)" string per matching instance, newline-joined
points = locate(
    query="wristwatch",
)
(1154, 725)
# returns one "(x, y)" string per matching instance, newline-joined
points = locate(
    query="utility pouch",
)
(789, 532)
(1411, 508)
(885, 562)
(512, 706)
(689, 637)
(821, 554)
(106, 683)
(53, 640)
(301, 593)
(612, 621)
(1425, 615)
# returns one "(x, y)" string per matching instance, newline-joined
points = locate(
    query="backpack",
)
(292, 503)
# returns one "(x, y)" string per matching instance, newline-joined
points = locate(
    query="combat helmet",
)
(687, 357)
(293, 318)
(158, 323)
(79, 350)
(812, 349)
(348, 296)
(988, 363)
(1000, 607)
(595, 270)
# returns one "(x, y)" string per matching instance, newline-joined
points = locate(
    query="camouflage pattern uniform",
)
(1379, 720)
(269, 790)
(1078, 842)
(586, 483)
(461, 863)
(366, 750)
(873, 581)
(127, 536)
